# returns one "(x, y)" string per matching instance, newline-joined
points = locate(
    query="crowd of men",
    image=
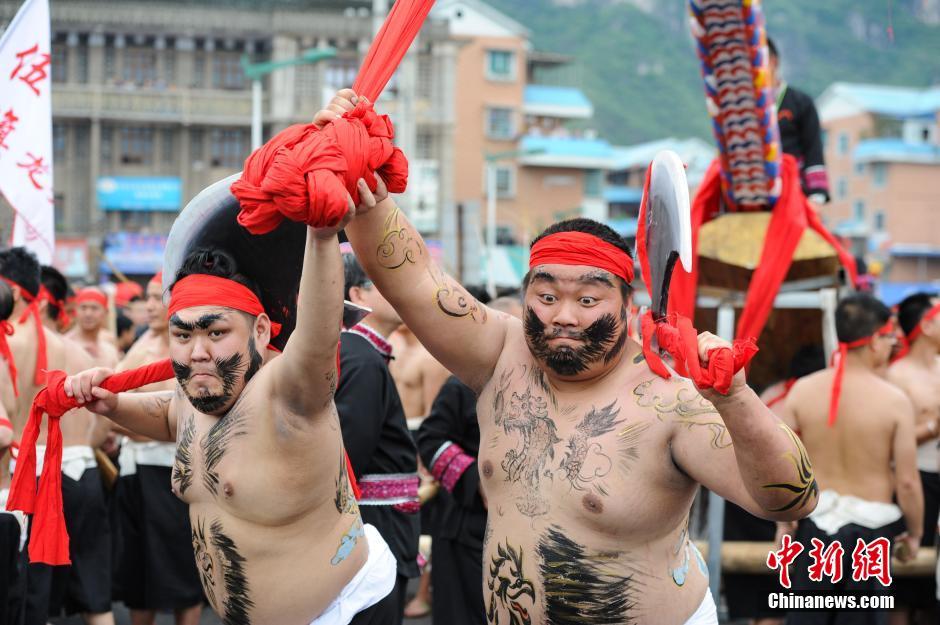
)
(553, 469)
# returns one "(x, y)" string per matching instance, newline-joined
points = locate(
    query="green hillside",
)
(640, 69)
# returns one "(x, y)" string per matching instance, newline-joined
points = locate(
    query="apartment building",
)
(151, 105)
(882, 147)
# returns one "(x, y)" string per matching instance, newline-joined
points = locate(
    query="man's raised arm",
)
(462, 334)
(305, 374)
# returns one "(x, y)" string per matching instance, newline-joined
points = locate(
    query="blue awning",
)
(892, 293)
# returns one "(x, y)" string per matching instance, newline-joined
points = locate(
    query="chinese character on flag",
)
(826, 562)
(26, 168)
(7, 126)
(872, 560)
(32, 67)
(783, 558)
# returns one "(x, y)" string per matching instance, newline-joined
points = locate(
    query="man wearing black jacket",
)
(800, 134)
(375, 433)
(449, 441)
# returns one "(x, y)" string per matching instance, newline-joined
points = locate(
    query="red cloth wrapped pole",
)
(304, 173)
(49, 541)
(676, 335)
(791, 215)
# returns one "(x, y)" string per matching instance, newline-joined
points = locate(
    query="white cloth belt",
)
(19, 516)
(151, 453)
(707, 613)
(928, 457)
(371, 584)
(76, 459)
(835, 511)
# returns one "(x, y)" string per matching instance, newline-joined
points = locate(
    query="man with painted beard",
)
(589, 461)
(276, 531)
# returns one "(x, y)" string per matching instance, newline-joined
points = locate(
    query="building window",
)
(59, 63)
(880, 221)
(425, 77)
(593, 183)
(81, 64)
(505, 181)
(134, 221)
(341, 72)
(879, 175)
(136, 146)
(110, 63)
(140, 66)
(843, 143)
(169, 66)
(199, 69)
(859, 169)
(197, 147)
(424, 145)
(167, 143)
(228, 147)
(227, 71)
(500, 65)
(107, 144)
(58, 143)
(81, 135)
(842, 188)
(499, 123)
(858, 210)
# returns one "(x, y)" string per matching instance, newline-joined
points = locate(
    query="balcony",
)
(184, 106)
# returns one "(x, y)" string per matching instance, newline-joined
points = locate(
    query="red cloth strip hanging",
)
(306, 174)
(839, 363)
(400, 28)
(49, 541)
(787, 387)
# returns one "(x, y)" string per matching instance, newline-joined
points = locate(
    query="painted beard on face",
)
(227, 370)
(600, 341)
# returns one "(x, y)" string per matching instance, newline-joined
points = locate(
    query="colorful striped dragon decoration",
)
(732, 47)
(750, 172)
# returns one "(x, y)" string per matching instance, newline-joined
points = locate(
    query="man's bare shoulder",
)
(75, 357)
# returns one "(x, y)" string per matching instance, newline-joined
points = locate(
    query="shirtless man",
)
(917, 373)
(589, 461)
(155, 569)
(91, 305)
(276, 531)
(86, 585)
(417, 375)
(866, 458)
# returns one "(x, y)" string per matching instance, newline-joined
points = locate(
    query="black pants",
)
(85, 586)
(12, 575)
(155, 568)
(799, 574)
(457, 576)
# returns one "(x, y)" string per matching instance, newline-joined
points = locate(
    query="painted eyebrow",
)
(202, 322)
(544, 276)
(596, 278)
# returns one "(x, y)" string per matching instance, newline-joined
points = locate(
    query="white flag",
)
(26, 128)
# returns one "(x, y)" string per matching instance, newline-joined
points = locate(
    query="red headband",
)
(92, 295)
(885, 330)
(157, 277)
(580, 248)
(39, 373)
(200, 289)
(916, 332)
